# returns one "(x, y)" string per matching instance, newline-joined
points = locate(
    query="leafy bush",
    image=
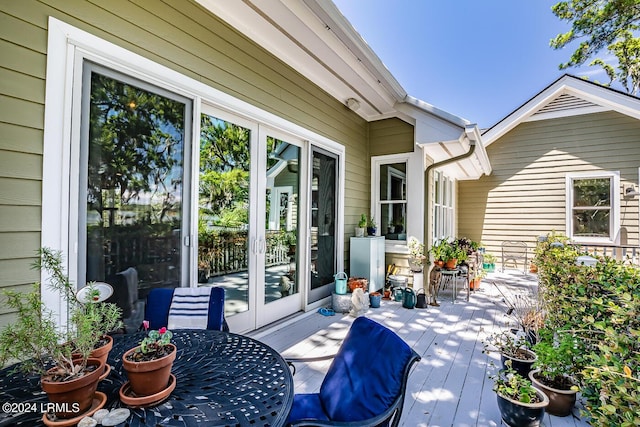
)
(599, 307)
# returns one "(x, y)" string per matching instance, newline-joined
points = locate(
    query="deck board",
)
(450, 385)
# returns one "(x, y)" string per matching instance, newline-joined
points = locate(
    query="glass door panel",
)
(131, 210)
(224, 255)
(282, 219)
(324, 196)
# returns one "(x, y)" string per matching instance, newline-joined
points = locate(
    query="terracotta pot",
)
(103, 352)
(75, 396)
(438, 263)
(561, 402)
(357, 282)
(150, 377)
(518, 414)
(451, 263)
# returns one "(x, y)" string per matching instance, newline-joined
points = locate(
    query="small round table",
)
(450, 277)
(223, 379)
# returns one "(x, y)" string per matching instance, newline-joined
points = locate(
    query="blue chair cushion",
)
(307, 406)
(366, 376)
(159, 302)
(157, 309)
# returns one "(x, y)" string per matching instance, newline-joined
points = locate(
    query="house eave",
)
(602, 98)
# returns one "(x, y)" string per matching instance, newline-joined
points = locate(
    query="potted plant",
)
(441, 251)
(489, 263)
(477, 279)
(372, 227)
(512, 349)
(362, 224)
(148, 365)
(417, 257)
(47, 350)
(374, 299)
(520, 404)
(553, 371)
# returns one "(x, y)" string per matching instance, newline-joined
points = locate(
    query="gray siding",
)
(178, 34)
(524, 196)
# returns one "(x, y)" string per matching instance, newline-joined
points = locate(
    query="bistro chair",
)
(365, 384)
(514, 251)
(161, 301)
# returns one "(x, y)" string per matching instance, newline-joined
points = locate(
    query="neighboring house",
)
(105, 105)
(565, 161)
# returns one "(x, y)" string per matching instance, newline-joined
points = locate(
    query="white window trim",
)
(446, 227)
(61, 134)
(414, 221)
(614, 217)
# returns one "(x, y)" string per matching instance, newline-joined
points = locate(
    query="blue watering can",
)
(341, 283)
(409, 300)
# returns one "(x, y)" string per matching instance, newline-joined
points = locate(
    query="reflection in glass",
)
(592, 192)
(223, 215)
(323, 224)
(281, 222)
(134, 189)
(393, 200)
(592, 207)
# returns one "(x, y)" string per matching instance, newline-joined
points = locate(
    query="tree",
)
(627, 51)
(602, 22)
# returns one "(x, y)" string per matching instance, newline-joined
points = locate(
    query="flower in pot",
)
(35, 339)
(512, 349)
(149, 365)
(520, 404)
(553, 371)
(417, 257)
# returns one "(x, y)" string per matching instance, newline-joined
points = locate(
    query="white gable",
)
(567, 96)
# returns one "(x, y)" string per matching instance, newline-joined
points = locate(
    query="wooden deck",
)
(450, 385)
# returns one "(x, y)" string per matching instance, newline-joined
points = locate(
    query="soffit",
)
(316, 40)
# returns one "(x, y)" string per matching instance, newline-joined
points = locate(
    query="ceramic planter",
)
(374, 299)
(518, 414)
(149, 377)
(561, 402)
(520, 364)
(80, 391)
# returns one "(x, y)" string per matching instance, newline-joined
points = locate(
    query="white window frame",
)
(61, 136)
(414, 222)
(443, 206)
(614, 217)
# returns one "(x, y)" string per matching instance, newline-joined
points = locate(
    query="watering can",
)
(409, 298)
(341, 283)
(398, 294)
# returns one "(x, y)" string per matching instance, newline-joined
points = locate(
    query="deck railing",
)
(626, 253)
(227, 252)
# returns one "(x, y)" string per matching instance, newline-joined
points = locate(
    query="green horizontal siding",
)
(179, 34)
(524, 196)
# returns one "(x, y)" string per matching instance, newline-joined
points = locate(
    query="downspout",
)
(472, 149)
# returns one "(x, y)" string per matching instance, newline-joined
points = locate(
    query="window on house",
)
(393, 200)
(593, 207)
(442, 196)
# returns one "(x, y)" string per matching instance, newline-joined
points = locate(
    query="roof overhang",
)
(594, 97)
(313, 37)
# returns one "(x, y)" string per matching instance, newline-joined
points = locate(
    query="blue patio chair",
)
(159, 302)
(365, 384)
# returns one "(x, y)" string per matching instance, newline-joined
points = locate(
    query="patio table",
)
(223, 379)
(450, 277)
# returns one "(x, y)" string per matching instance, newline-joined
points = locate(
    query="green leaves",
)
(593, 318)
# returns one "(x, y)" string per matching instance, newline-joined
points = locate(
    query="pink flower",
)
(145, 324)
(162, 330)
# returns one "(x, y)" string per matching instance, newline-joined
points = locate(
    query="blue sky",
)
(477, 59)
